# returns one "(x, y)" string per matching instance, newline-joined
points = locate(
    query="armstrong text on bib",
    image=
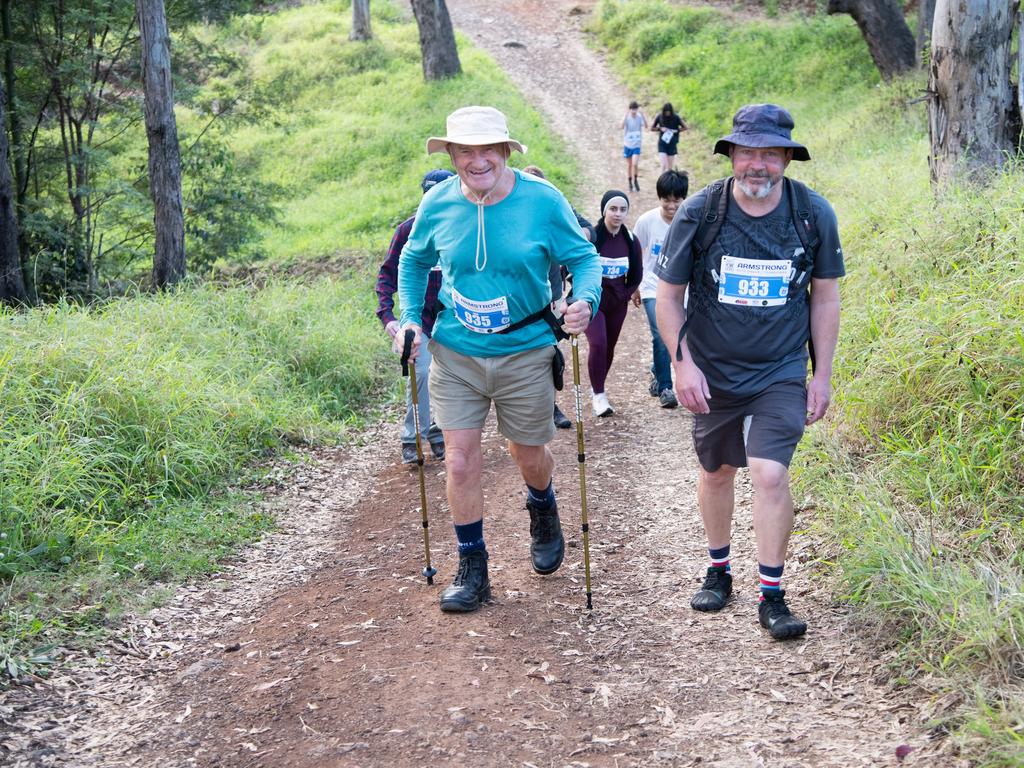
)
(488, 316)
(754, 283)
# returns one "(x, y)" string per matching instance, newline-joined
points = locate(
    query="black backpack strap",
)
(807, 231)
(803, 217)
(711, 218)
(541, 314)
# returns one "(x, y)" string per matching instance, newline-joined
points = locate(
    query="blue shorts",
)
(630, 151)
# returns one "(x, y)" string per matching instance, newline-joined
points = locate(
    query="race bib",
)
(632, 138)
(488, 316)
(753, 283)
(667, 134)
(614, 267)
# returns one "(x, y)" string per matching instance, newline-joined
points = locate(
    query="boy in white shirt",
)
(650, 231)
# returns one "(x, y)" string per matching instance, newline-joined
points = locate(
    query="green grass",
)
(350, 122)
(917, 473)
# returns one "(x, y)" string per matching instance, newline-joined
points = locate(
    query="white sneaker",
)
(601, 405)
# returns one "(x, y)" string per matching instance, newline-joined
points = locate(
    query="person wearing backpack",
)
(762, 259)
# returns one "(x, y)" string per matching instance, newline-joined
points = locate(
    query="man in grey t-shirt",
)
(756, 300)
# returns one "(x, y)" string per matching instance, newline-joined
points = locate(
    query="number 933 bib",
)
(754, 283)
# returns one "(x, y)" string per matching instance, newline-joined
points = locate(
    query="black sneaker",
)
(408, 453)
(667, 398)
(561, 420)
(774, 616)
(547, 547)
(438, 450)
(715, 592)
(636, 184)
(470, 587)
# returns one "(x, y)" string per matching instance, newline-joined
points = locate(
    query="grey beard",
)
(757, 194)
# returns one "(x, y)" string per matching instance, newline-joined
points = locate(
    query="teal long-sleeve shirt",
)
(523, 235)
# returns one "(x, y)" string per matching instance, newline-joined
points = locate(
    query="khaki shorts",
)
(462, 389)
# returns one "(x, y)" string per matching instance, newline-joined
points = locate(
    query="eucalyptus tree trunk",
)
(360, 21)
(889, 39)
(164, 154)
(925, 20)
(973, 120)
(437, 39)
(12, 285)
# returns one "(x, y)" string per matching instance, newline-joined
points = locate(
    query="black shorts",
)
(668, 149)
(767, 425)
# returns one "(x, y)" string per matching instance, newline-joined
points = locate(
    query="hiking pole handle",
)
(410, 334)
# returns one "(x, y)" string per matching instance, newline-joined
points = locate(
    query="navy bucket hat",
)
(762, 125)
(435, 177)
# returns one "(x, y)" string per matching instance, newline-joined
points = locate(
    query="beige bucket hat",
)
(475, 127)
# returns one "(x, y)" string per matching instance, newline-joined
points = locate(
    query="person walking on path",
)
(560, 420)
(633, 125)
(668, 125)
(495, 232)
(650, 231)
(622, 270)
(387, 284)
(762, 259)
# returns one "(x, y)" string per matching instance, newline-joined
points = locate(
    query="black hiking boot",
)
(715, 592)
(470, 587)
(561, 420)
(548, 547)
(774, 616)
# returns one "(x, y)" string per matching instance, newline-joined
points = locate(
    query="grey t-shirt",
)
(744, 348)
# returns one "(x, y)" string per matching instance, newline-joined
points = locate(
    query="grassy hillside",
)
(123, 424)
(916, 475)
(350, 120)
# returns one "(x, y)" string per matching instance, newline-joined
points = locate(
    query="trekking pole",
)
(581, 458)
(410, 371)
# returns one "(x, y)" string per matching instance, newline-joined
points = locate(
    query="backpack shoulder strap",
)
(712, 216)
(803, 216)
(711, 219)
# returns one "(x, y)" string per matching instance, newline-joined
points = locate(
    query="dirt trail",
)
(322, 646)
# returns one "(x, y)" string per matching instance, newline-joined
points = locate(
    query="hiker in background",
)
(557, 288)
(496, 232)
(762, 259)
(622, 270)
(633, 125)
(387, 285)
(650, 231)
(668, 125)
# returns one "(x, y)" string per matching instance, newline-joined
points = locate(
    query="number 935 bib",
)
(488, 316)
(754, 283)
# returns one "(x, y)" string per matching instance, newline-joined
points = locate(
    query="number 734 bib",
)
(754, 283)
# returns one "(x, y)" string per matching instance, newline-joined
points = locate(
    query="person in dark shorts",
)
(763, 286)
(668, 125)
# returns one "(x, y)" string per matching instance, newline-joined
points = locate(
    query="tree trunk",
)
(889, 39)
(360, 21)
(437, 40)
(925, 20)
(162, 134)
(973, 121)
(12, 286)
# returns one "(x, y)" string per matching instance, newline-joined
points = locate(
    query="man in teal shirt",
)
(495, 232)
